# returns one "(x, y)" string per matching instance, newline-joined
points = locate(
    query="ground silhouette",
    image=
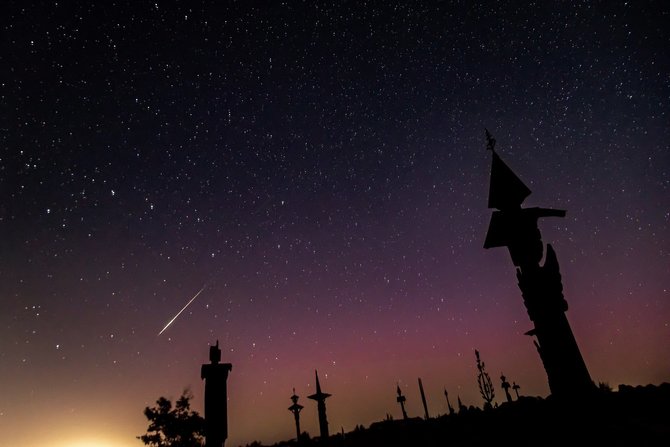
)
(631, 416)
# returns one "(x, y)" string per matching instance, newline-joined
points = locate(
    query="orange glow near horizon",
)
(89, 441)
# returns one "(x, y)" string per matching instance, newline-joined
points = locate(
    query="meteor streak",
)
(182, 309)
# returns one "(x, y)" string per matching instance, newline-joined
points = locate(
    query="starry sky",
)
(319, 168)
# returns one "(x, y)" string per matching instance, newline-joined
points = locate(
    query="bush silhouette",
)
(174, 427)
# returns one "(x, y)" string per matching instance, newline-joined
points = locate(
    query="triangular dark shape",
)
(499, 231)
(506, 190)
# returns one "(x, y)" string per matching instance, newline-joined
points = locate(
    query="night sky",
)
(320, 169)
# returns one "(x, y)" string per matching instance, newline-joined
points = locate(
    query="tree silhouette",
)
(174, 427)
(484, 382)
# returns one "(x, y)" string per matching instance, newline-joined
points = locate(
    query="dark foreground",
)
(632, 416)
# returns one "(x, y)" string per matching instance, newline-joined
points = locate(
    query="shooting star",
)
(182, 309)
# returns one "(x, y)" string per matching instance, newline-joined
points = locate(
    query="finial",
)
(215, 353)
(490, 141)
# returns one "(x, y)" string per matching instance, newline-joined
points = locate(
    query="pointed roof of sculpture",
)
(318, 395)
(506, 190)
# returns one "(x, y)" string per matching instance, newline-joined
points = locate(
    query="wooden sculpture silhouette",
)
(485, 383)
(451, 409)
(401, 400)
(320, 399)
(215, 375)
(461, 407)
(516, 228)
(423, 400)
(505, 386)
(296, 408)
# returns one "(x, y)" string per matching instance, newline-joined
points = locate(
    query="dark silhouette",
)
(490, 141)
(484, 382)
(451, 409)
(423, 399)
(461, 407)
(627, 417)
(401, 400)
(506, 386)
(320, 399)
(215, 375)
(295, 409)
(173, 427)
(516, 228)
(604, 386)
